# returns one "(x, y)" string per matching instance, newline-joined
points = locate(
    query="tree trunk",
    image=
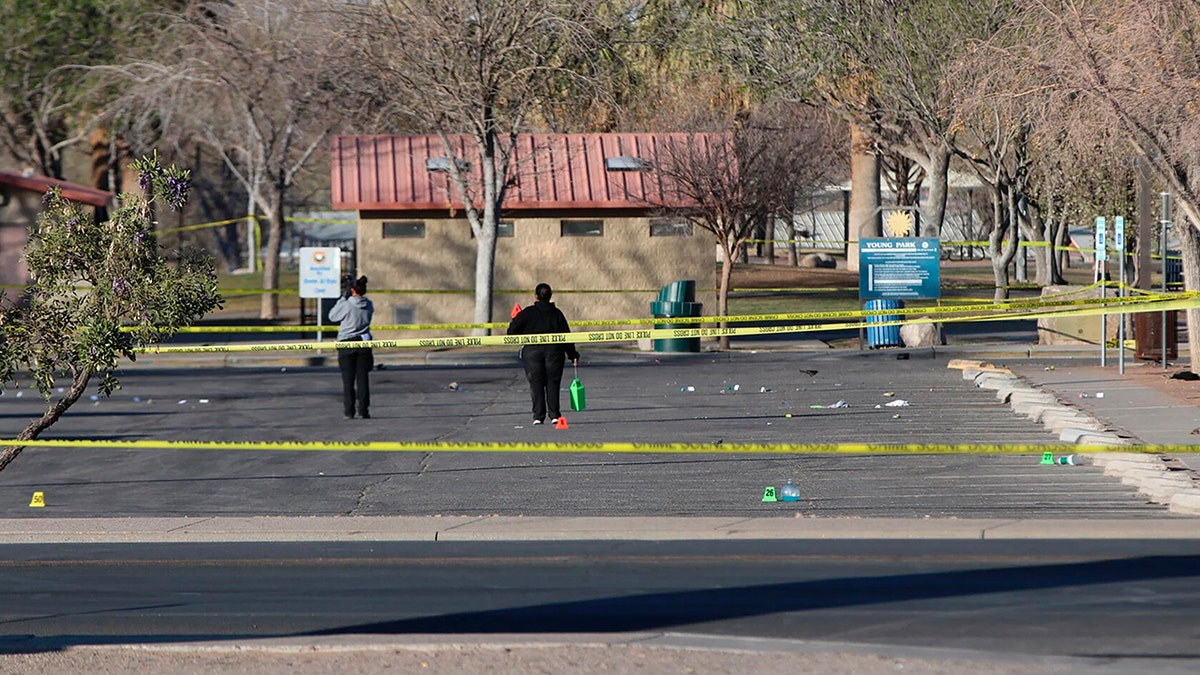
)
(1059, 255)
(1189, 246)
(251, 234)
(793, 247)
(102, 161)
(865, 219)
(78, 384)
(1039, 233)
(485, 265)
(1147, 224)
(723, 291)
(1002, 245)
(939, 178)
(270, 265)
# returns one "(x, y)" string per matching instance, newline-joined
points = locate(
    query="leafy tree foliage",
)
(42, 86)
(99, 292)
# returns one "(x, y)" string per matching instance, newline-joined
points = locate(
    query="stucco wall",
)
(17, 216)
(626, 261)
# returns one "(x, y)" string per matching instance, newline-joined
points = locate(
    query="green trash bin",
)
(678, 291)
(676, 300)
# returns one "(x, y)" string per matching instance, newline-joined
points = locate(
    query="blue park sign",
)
(899, 268)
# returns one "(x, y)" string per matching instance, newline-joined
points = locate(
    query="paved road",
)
(737, 398)
(1018, 598)
(1127, 605)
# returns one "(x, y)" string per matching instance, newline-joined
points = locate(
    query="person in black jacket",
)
(544, 363)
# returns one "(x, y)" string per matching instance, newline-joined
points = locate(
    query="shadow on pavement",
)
(674, 610)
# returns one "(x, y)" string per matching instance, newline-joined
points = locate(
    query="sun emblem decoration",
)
(899, 224)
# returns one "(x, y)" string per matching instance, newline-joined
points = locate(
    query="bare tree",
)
(487, 70)
(1130, 65)
(733, 183)
(264, 84)
(880, 65)
(1045, 160)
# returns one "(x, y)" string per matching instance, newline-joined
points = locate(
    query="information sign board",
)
(320, 272)
(899, 268)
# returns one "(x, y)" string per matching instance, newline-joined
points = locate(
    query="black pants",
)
(356, 365)
(544, 368)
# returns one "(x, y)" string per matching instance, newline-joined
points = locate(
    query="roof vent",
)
(626, 163)
(442, 164)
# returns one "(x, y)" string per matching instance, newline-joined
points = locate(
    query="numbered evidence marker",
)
(38, 501)
(769, 494)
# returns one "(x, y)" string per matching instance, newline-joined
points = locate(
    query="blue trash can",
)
(883, 336)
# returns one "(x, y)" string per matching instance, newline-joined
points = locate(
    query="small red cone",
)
(516, 310)
(561, 423)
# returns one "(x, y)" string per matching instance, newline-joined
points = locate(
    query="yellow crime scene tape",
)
(502, 291)
(1034, 311)
(1010, 310)
(1141, 302)
(247, 217)
(614, 448)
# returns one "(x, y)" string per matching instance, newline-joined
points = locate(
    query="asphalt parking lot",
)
(725, 398)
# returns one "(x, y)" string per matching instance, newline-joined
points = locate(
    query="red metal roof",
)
(549, 171)
(73, 191)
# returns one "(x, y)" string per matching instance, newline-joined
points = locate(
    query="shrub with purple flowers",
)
(99, 291)
(168, 184)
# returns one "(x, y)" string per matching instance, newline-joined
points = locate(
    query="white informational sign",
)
(1119, 234)
(320, 272)
(1101, 244)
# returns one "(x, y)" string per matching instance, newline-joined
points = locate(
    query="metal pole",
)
(862, 331)
(1101, 274)
(1162, 241)
(1103, 317)
(1119, 243)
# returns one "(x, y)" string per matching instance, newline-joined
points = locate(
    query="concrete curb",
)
(1149, 473)
(1155, 480)
(1071, 424)
(1185, 503)
(38, 530)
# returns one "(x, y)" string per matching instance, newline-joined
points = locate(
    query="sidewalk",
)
(532, 529)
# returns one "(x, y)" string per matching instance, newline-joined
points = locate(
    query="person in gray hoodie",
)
(544, 363)
(353, 312)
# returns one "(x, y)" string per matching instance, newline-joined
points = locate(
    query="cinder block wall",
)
(626, 262)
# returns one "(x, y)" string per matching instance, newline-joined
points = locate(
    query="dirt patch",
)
(1153, 376)
(786, 276)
